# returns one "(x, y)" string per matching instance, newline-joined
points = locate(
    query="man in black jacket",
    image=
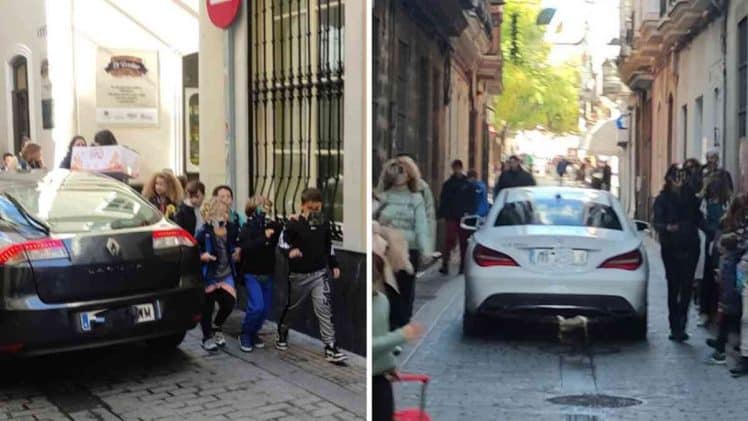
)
(515, 176)
(457, 200)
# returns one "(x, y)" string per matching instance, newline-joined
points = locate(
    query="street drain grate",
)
(595, 401)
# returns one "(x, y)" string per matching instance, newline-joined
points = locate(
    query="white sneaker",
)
(333, 354)
(210, 344)
(220, 340)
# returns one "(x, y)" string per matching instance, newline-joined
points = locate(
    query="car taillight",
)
(11, 348)
(486, 257)
(627, 261)
(163, 239)
(33, 250)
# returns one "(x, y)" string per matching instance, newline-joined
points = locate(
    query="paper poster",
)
(127, 87)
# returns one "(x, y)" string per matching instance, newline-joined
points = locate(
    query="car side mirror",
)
(642, 226)
(471, 222)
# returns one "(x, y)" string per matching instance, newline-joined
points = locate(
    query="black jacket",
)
(186, 218)
(509, 179)
(315, 244)
(683, 209)
(162, 204)
(457, 198)
(258, 251)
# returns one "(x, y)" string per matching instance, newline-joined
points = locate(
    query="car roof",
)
(58, 177)
(523, 194)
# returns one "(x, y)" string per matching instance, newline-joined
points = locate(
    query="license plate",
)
(145, 313)
(560, 257)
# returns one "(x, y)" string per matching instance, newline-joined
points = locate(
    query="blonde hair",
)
(174, 190)
(213, 208)
(255, 202)
(391, 170)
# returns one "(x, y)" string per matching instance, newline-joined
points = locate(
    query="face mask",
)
(315, 218)
(401, 179)
(259, 211)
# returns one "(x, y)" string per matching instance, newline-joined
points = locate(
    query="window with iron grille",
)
(742, 76)
(296, 98)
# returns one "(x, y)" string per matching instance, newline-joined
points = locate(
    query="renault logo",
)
(113, 247)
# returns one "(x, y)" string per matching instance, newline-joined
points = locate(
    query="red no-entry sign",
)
(223, 12)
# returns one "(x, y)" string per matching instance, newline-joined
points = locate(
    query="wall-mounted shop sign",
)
(127, 87)
(223, 12)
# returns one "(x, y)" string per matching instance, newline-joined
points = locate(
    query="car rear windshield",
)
(85, 207)
(11, 216)
(559, 212)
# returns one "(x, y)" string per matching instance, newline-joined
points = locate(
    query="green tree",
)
(535, 92)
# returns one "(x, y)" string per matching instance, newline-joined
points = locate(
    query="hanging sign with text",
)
(127, 87)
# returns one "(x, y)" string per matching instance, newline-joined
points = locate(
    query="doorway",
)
(20, 101)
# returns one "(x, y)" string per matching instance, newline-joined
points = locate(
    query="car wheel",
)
(637, 329)
(166, 343)
(472, 324)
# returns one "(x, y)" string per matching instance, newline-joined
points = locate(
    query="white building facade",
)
(52, 48)
(674, 60)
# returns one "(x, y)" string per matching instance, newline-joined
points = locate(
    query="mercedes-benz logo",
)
(113, 247)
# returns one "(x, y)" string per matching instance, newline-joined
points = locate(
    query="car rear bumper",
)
(50, 330)
(567, 305)
(623, 297)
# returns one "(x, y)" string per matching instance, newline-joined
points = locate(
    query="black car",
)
(85, 262)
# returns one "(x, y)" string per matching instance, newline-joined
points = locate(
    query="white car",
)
(547, 251)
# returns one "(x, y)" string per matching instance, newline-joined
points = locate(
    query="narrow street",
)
(126, 383)
(516, 377)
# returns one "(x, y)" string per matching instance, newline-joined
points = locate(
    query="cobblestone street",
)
(513, 377)
(125, 383)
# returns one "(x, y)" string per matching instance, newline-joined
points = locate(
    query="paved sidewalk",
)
(127, 383)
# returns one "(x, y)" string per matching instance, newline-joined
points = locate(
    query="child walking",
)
(732, 245)
(164, 192)
(188, 214)
(258, 239)
(307, 242)
(219, 271)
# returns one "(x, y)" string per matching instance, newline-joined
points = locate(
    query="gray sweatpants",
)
(300, 287)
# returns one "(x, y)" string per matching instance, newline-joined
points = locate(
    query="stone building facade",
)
(436, 65)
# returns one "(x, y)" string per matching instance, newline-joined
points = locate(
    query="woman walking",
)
(677, 219)
(403, 208)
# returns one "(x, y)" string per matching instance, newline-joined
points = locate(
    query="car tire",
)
(472, 324)
(637, 329)
(166, 343)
